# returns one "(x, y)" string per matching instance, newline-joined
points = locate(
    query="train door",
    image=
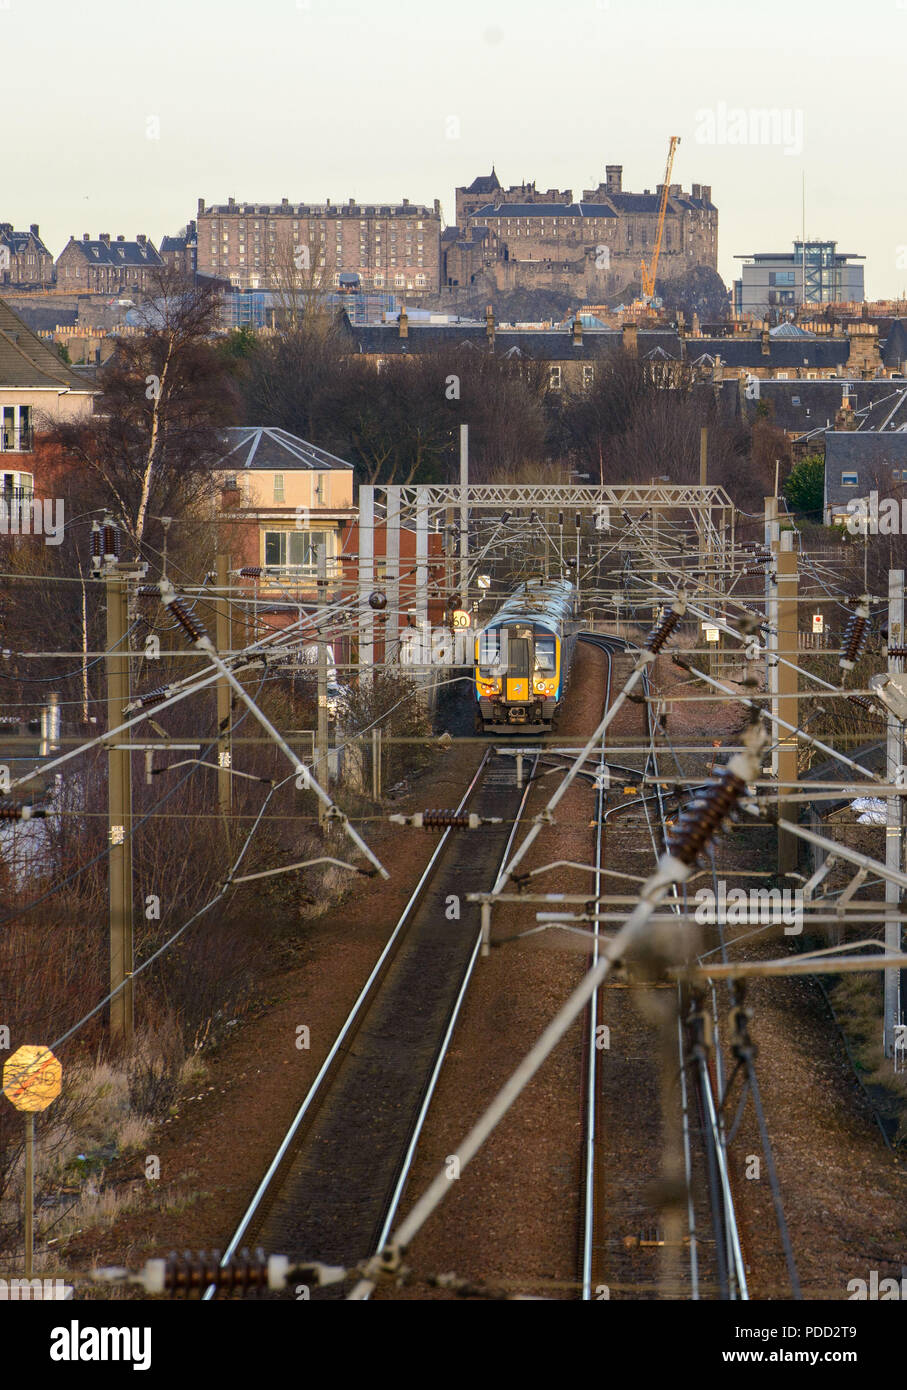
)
(518, 669)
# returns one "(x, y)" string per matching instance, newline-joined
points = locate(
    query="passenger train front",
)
(523, 657)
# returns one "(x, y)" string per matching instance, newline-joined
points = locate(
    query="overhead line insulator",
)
(662, 631)
(444, 820)
(856, 635)
(96, 549)
(863, 703)
(152, 697)
(699, 822)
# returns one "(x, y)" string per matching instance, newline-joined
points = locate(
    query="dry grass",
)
(109, 1111)
(857, 1002)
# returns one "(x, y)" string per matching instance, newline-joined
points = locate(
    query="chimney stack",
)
(141, 238)
(201, 207)
(403, 322)
(489, 325)
(86, 236)
(631, 339)
(577, 332)
(105, 237)
(34, 229)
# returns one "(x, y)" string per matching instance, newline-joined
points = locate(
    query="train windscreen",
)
(490, 653)
(545, 663)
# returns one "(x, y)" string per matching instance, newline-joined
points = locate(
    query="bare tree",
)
(165, 394)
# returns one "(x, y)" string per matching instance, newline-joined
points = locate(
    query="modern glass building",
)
(815, 272)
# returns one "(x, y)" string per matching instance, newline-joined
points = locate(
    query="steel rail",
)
(589, 1147)
(352, 1020)
(406, 1166)
(684, 1093)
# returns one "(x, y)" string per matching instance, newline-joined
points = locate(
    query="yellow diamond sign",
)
(32, 1078)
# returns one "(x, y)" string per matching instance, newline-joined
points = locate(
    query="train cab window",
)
(545, 656)
(489, 653)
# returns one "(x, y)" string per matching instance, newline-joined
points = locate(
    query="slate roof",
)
(27, 361)
(544, 210)
(547, 345)
(557, 344)
(46, 317)
(20, 241)
(783, 352)
(485, 183)
(871, 455)
(803, 406)
(256, 447)
(894, 349)
(117, 253)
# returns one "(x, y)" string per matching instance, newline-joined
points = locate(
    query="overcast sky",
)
(119, 118)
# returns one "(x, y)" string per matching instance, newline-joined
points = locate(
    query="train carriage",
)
(523, 657)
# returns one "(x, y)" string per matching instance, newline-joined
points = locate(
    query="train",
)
(523, 657)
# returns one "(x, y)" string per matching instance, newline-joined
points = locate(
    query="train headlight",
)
(544, 687)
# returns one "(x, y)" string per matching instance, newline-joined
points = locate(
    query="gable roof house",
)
(24, 259)
(108, 267)
(36, 387)
(860, 462)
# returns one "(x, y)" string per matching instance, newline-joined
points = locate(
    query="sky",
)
(118, 120)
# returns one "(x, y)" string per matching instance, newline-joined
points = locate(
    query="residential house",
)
(180, 252)
(281, 500)
(24, 259)
(109, 267)
(37, 390)
(859, 462)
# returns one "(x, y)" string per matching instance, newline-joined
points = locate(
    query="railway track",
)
(335, 1184)
(624, 1245)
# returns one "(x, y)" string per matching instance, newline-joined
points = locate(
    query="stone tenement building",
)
(594, 245)
(269, 245)
(24, 259)
(180, 253)
(108, 267)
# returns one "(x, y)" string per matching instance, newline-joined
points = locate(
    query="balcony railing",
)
(13, 441)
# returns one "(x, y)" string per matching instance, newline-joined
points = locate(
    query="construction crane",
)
(649, 273)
